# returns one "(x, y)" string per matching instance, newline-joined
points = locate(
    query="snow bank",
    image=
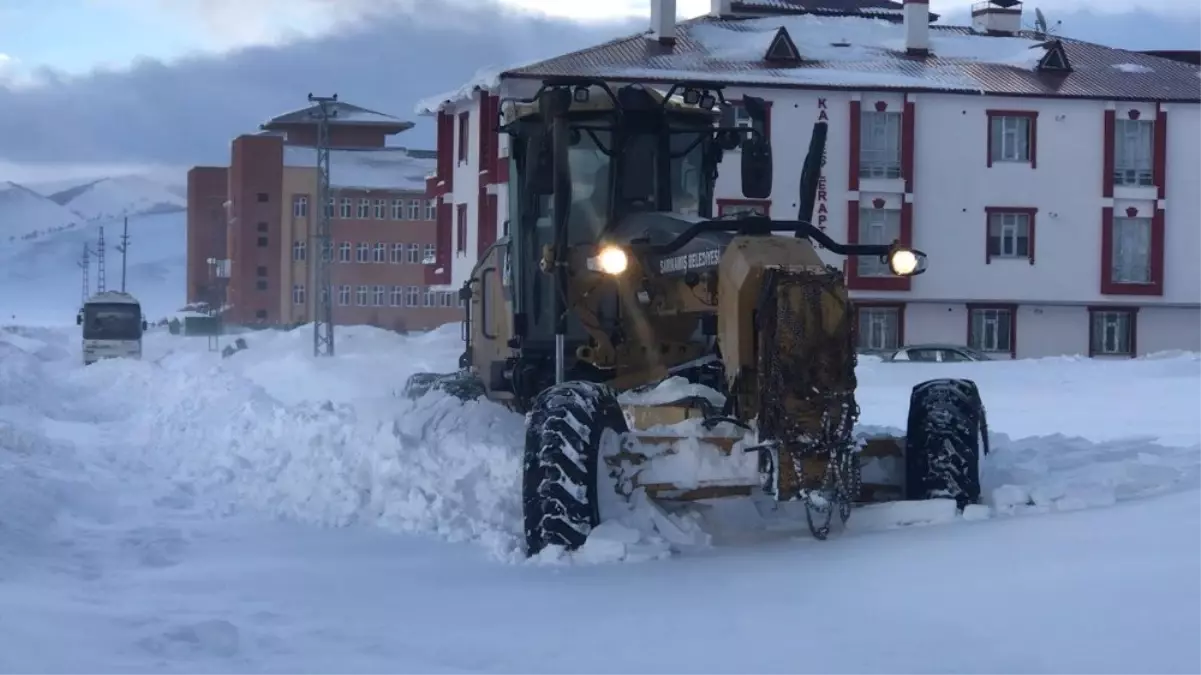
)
(331, 441)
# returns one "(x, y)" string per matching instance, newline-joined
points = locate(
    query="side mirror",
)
(756, 168)
(143, 324)
(79, 319)
(756, 152)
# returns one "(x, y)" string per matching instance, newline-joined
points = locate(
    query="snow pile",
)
(332, 442)
(115, 198)
(26, 215)
(1134, 68)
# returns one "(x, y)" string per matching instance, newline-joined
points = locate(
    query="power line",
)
(322, 250)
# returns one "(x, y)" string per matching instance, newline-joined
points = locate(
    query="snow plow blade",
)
(675, 453)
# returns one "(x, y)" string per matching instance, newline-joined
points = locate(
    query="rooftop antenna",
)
(1041, 28)
(100, 281)
(322, 296)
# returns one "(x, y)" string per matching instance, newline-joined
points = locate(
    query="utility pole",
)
(100, 282)
(123, 247)
(322, 249)
(85, 264)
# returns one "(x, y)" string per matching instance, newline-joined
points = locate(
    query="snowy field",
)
(274, 513)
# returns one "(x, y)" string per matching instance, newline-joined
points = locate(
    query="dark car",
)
(934, 353)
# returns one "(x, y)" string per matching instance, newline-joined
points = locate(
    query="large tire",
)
(564, 431)
(943, 441)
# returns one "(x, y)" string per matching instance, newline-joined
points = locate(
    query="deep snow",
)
(165, 515)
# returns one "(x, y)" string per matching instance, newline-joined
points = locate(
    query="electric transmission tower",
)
(85, 264)
(122, 248)
(322, 248)
(100, 281)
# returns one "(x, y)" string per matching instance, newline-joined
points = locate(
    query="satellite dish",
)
(1040, 22)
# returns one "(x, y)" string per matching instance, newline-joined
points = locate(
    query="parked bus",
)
(112, 327)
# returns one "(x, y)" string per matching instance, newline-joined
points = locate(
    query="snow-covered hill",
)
(121, 196)
(26, 215)
(41, 281)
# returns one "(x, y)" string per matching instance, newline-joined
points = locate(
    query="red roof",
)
(869, 54)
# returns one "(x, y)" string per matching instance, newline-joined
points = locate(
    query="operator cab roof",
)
(113, 297)
(599, 101)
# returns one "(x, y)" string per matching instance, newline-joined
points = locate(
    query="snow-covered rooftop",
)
(345, 114)
(374, 169)
(856, 52)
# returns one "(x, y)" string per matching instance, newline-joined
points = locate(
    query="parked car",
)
(935, 353)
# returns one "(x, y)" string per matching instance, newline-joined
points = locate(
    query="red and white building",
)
(1052, 182)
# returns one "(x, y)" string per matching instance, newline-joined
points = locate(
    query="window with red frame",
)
(464, 135)
(461, 228)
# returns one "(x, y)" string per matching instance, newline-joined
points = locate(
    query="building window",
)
(398, 209)
(262, 226)
(381, 209)
(327, 250)
(360, 296)
(344, 251)
(461, 244)
(297, 294)
(731, 208)
(379, 296)
(260, 314)
(415, 209)
(429, 300)
(464, 135)
(261, 271)
(879, 328)
(362, 252)
(380, 253)
(262, 242)
(1134, 150)
(364, 209)
(880, 144)
(991, 329)
(329, 207)
(877, 226)
(431, 209)
(1010, 234)
(1131, 262)
(263, 197)
(414, 254)
(448, 299)
(261, 284)
(429, 255)
(1112, 332)
(300, 206)
(344, 295)
(298, 250)
(412, 295)
(345, 208)
(325, 295)
(1011, 137)
(398, 253)
(398, 296)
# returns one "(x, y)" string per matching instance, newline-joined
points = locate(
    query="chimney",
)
(663, 22)
(917, 27)
(720, 8)
(997, 17)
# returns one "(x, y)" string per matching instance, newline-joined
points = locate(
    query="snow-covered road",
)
(167, 516)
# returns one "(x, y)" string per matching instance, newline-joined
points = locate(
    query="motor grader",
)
(614, 278)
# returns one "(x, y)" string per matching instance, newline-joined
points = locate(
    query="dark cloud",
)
(186, 112)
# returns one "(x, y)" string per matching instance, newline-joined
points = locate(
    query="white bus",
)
(112, 327)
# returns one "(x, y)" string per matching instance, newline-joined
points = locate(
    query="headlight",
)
(611, 260)
(904, 262)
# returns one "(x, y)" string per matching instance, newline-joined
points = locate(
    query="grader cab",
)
(633, 327)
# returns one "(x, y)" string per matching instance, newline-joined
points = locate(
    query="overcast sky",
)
(100, 86)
